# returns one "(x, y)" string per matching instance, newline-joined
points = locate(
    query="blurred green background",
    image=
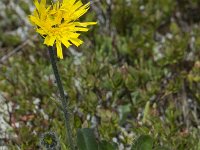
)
(138, 72)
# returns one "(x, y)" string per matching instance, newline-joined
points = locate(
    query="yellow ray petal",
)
(35, 21)
(76, 41)
(49, 40)
(65, 41)
(80, 29)
(59, 49)
(43, 3)
(70, 34)
(84, 24)
(37, 5)
(41, 31)
(80, 11)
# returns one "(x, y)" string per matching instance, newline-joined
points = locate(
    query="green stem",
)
(63, 97)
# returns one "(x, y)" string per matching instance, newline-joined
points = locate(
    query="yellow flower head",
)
(57, 22)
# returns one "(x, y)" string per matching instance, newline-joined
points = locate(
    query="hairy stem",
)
(64, 97)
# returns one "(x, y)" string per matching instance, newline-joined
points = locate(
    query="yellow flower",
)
(58, 24)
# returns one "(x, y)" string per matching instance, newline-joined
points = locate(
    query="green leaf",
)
(144, 142)
(130, 83)
(86, 139)
(124, 110)
(104, 145)
(117, 79)
(146, 112)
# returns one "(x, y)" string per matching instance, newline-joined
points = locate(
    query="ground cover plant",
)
(134, 81)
